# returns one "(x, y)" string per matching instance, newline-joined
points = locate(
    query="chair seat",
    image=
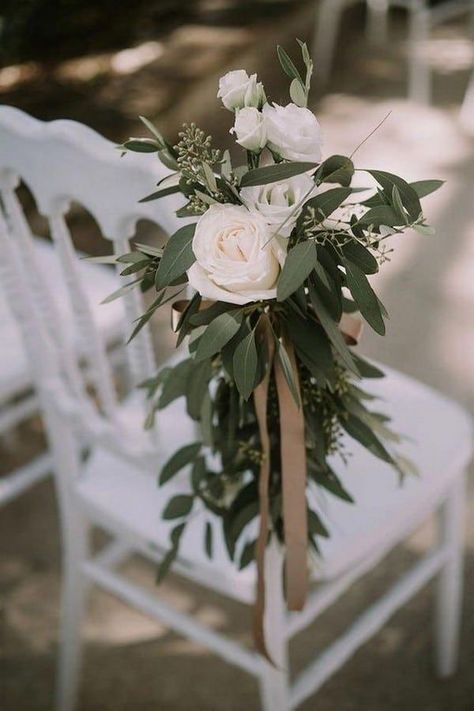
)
(100, 281)
(385, 512)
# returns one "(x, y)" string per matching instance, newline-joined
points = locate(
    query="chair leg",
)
(274, 691)
(419, 71)
(449, 592)
(377, 21)
(73, 602)
(325, 37)
(467, 109)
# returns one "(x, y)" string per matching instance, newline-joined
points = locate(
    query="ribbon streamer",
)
(293, 471)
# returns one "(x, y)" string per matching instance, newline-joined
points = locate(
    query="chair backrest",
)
(64, 162)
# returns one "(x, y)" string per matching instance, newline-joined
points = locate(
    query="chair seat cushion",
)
(385, 512)
(99, 280)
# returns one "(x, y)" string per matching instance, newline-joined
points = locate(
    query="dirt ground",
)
(135, 664)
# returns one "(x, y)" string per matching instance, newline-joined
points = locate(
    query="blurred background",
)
(104, 63)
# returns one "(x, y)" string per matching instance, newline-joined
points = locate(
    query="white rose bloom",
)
(293, 132)
(235, 261)
(237, 89)
(249, 127)
(276, 202)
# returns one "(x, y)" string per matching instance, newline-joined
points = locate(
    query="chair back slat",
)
(141, 357)
(61, 163)
(46, 309)
(91, 342)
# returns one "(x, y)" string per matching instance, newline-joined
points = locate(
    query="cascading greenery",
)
(338, 236)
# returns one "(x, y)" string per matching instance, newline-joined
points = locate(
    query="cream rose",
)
(236, 259)
(237, 89)
(249, 127)
(277, 202)
(293, 132)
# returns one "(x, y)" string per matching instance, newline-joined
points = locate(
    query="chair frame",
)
(66, 415)
(422, 18)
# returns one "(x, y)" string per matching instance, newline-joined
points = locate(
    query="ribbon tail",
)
(260, 395)
(293, 469)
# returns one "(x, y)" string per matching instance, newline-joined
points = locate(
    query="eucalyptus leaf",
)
(366, 369)
(208, 539)
(218, 333)
(360, 255)
(178, 461)
(364, 296)
(197, 386)
(312, 346)
(274, 173)
(245, 365)
(248, 555)
(161, 193)
(141, 145)
(288, 66)
(175, 383)
(381, 215)
(125, 289)
(333, 331)
(178, 506)
(297, 93)
(177, 257)
(335, 169)
(298, 266)
(165, 564)
(408, 195)
(289, 373)
(365, 435)
(426, 187)
(152, 128)
(325, 203)
(316, 526)
(330, 481)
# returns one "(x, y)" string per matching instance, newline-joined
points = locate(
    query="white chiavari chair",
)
(115, 486)
(424, 15)
(18, 401)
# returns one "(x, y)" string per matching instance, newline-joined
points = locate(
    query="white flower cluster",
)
(291, 132)
(241, 249)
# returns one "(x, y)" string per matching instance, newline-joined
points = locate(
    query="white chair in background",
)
(467, 108)
(18, 401)
(115, 486)
(423, 16)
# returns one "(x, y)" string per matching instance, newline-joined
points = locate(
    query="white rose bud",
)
(249, 127)
(237, 89)
(293, 132)
(236, 259)
(278, 202)
(255, 94)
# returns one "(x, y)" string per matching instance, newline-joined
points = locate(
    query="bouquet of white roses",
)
(278, 255)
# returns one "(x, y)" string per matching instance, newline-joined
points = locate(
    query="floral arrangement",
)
(277, 251)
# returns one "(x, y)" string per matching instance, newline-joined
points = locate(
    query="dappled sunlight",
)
(131, 60)
(447, 54)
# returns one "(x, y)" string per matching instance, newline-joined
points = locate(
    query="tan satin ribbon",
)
(260, 396)
(293, 472)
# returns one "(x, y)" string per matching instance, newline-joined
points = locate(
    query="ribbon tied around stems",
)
(293, 470)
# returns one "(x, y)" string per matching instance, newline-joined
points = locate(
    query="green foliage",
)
(245, 365)
(178, 461)
(336, 169)
(337, 241)
(364, 296)
(274, 173)
(218, 333)
(299, 264)
(177, 257)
